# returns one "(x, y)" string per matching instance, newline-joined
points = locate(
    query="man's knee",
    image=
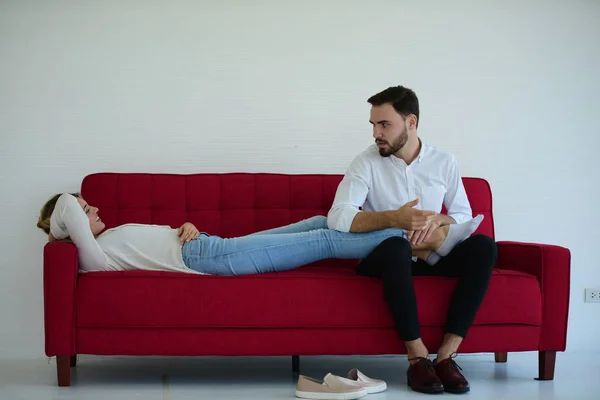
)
(395, 253)
(484, 248)
(391, 257)
(395, 247)
(486, 244)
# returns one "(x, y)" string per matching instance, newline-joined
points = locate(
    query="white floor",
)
(114, 378)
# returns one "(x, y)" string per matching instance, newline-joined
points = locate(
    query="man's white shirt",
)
(376, 183)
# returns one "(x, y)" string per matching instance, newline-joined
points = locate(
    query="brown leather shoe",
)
(449, 372)
(421, 377)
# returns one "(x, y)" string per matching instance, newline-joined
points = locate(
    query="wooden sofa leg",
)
(74, 361)
(296, 364)
(63, 370)
(501, 357)
(547, 360)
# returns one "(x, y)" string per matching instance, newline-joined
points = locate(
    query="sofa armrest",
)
(61, 268)
(552, 266)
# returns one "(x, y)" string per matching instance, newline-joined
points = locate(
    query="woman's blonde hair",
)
(47, 210)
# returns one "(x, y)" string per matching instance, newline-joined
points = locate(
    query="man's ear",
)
(411, 121)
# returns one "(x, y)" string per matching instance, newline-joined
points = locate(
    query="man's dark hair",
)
(404, 100)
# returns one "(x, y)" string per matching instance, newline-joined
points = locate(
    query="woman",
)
(154, 247)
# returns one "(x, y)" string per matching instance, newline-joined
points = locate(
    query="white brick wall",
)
(190, 86)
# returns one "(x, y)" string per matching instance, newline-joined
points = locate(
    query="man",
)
(398, 181)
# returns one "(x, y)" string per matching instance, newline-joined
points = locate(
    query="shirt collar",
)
(423, 150)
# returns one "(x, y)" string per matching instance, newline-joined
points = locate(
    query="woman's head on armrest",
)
(96, 224)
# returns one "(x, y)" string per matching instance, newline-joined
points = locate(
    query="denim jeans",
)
(279, 249)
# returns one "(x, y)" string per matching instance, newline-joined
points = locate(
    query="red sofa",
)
(299, 312)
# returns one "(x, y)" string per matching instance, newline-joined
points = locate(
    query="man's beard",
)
(395, 147)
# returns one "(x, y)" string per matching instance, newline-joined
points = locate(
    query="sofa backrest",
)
(230, 204)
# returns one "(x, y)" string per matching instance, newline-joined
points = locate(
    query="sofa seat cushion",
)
(309, 297)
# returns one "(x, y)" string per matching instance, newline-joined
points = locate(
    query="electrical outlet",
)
(592, 295)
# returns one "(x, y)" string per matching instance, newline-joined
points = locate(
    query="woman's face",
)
(96, 224)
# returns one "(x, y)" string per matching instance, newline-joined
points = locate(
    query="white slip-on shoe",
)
(372, 385)
(330, 388)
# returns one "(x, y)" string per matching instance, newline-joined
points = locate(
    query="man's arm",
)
(345, 214)
(349, 197)
(372, 221)
(351, 194)
(455, 200)
(406, 217)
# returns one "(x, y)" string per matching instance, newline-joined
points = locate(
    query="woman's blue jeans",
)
(279, 249)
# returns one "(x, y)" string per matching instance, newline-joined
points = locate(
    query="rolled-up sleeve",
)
(455, 200)
(350, 196)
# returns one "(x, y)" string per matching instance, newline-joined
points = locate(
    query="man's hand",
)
(436, 222)
(412, 219)
(187, 232)
(418, 237)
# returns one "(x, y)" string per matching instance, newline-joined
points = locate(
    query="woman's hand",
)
(187, 232)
